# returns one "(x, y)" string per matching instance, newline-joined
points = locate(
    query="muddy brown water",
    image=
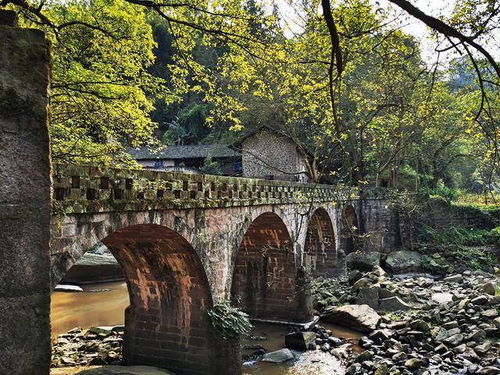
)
(104, 304)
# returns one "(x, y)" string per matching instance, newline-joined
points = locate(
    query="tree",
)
(101, 90)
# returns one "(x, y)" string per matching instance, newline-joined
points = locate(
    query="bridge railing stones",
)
(83, 189)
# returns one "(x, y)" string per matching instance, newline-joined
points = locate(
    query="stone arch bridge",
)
(186, 242)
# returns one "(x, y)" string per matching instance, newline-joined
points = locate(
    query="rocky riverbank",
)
(423, 325)
(412, 324)
(88, 347)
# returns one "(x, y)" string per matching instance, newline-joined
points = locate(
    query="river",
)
(104, 304)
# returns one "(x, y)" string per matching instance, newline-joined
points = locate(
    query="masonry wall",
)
(378, 221)
(267, 153)
(441, 214)
(24, 201)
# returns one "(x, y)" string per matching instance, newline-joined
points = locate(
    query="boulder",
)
(489, 370)
(392, 304)
(354, 276)
(480, 300)
(300, 340)
(357, 317)
(403, 261)
(368, 296)
(414, 363)
(454, 279)
(489, 288)
(454, 340)
(381, 370)
(278, 356)
(442, 298)
(363, 260)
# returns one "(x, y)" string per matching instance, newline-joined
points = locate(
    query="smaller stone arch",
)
(350, 229)
(266, 283)
(319, 250)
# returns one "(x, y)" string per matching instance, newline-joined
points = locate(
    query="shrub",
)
(442, 191)
(227, 322)
(460, 236)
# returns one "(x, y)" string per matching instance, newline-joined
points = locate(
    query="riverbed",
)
(104, 304)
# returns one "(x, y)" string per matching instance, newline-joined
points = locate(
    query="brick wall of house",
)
(267, 153)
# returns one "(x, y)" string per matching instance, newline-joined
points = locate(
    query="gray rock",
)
(381, 370)
(490, 314)
(368, 295)
(399, 357)
(489, 288)
(93, 267)
(450, 325)
(354, 276)
(421, 326)
(439, 333)
(392, 304)
(358, 317)
(489, 370)
(300, 340)
(403, 261)
(414, 363)
(483, 348)
(442, 298)
(454, 279)
(363, 260)
(353, 369)
(477, 336)
(278, 356)
(480, 300)
(455, 339)
(365, 356)
(362, 283)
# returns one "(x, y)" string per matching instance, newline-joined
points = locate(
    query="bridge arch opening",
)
(350, 228)
(169, 292)
(319, 250)
(266, 282)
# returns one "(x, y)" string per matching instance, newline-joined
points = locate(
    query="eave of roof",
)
(185, 152)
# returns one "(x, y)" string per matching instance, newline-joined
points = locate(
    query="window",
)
(158, 164)
(237, 166)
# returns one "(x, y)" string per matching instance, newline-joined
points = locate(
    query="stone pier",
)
(25, 209)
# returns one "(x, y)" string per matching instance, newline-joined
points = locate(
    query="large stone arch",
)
(267, 283)
(73, 236)
(320, 253)
(350, 228)
(169, 293)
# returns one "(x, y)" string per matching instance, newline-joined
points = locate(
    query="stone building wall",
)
(24, 200)
(267, 153)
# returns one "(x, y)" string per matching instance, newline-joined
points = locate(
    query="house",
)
(272, 154)
(190, 158)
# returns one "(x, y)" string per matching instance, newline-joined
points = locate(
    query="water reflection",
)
(92, 307)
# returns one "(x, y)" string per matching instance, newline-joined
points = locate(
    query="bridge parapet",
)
(82, 189)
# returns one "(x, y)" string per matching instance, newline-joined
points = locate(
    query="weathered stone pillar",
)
(24, 200)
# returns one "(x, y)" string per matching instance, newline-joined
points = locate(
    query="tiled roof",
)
(184, 152)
